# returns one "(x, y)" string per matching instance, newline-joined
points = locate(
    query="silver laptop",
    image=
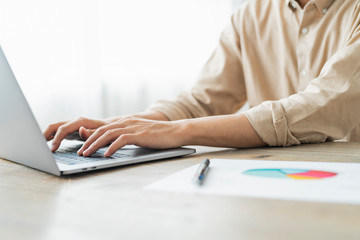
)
(22, 141)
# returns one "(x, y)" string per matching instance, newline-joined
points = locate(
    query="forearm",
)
(220, 131)
(150, 114)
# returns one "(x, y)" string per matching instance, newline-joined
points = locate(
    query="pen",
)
(201, 172)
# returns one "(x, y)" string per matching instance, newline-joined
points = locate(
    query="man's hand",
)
(155, 131)
(137, 131)
(86, 127)
(218, 131)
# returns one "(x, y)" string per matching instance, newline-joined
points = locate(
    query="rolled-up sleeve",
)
(327, 109)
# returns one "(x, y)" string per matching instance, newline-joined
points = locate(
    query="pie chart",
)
(289, 173)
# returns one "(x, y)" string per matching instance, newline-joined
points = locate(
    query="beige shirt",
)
(299, 69)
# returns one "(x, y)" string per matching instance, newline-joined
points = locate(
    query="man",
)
(297, 64)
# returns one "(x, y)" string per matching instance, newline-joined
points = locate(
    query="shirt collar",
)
(322, 5)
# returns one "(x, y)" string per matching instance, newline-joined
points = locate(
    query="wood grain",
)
(112, 204)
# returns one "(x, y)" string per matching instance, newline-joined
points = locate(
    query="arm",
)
(149, 114)
(327, 109)
(219, 131)
(222, 131)
(153, 130)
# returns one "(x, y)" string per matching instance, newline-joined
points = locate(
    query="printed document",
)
(287, 180)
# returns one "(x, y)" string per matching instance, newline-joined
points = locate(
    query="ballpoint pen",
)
(201, 172)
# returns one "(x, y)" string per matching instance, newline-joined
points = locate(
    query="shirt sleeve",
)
(327, 109)
(220, 88)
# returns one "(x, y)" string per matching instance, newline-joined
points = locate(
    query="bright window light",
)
(100, 58)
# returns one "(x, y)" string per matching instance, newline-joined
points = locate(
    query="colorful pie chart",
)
(298, 174)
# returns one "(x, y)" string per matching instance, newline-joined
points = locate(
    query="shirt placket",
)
(303, 48)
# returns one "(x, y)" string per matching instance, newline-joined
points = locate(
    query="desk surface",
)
(112, 204)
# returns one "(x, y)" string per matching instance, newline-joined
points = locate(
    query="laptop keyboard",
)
(69, 156)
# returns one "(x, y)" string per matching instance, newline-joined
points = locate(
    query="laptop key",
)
(69, 156)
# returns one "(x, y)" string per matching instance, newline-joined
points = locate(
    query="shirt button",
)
(303, 73)
(292, 6)
(324, 10)
(305, 30)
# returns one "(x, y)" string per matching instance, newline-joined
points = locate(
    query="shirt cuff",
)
(269, 121)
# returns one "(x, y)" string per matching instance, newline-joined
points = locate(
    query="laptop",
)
(22, 141)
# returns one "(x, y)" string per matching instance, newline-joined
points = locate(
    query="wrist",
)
(187, 131)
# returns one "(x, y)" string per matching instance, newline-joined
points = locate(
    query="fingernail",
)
(80, 149)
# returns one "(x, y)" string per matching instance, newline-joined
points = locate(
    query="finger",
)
(85, 133)
(70, 127)
(51, 129)
(61, 133)
(102, 141)
(51, 137)
(95, 135)
(120, 142)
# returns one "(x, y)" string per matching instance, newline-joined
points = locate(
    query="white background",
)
(100, 58)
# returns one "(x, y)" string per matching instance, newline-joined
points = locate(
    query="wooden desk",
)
(112, 204)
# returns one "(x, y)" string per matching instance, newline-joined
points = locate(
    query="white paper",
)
(227, 177)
